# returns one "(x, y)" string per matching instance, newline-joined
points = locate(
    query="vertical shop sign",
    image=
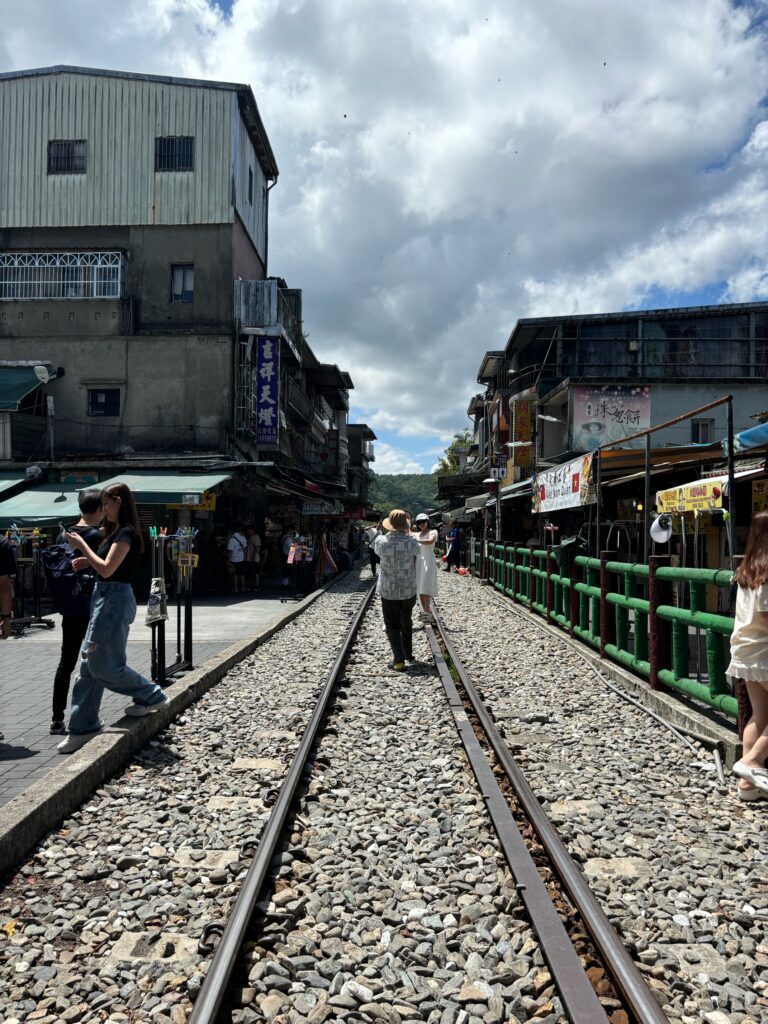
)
(266, 392)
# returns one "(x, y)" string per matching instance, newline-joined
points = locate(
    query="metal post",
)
(731, 489)
(550, 586)
(659, 630)
(598, 499)
(607, 618)
(647, 499)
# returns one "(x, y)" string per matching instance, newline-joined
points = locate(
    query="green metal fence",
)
(627, 611)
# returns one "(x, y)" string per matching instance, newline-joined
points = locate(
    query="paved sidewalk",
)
(28, 664)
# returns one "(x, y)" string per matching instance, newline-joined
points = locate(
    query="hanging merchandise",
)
(157, 604)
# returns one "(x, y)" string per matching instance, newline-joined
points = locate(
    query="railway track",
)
(438, 930)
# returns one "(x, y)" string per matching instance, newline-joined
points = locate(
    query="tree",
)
(449, 462)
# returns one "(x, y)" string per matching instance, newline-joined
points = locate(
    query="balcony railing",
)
(60, 275)
(368, 452)
(324, 411)
(299, 399)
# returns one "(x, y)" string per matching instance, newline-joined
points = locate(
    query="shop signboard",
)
(522, 421)
(316, 507)
(499, 466)
(759, 495)
(601, 414)
(701, 495)
(566, 486)
(266, 391)
(205, 502)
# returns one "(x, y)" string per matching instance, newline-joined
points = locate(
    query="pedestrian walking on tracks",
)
(453, 554)
(749, 658)
(113, 609)
(370, 535)
(426, 567)
(398, 552)
(75, 608)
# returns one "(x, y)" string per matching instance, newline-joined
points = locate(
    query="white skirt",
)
(426, 571)
(749, 673)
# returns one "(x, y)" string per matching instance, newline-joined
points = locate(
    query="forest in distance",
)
(413, 492)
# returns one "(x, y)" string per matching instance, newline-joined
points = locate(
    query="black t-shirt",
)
(7, 558)
(90, 534)
(124, 572)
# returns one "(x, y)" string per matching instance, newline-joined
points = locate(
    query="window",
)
(60, 275)
(103, 401)
(175, 153)
(250, 185)
(702, 431)
(67, 156)
(182, 282)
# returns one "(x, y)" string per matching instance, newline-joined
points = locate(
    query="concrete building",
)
(129, 204)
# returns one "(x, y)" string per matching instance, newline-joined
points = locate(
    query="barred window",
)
(175, 153)
(67, 156)
(60, 275)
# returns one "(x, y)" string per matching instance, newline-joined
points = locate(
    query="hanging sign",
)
(266, 391)
(759, 495)
(565, 486)
(701, 495)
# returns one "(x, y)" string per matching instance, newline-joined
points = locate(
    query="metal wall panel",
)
(120, 119)
(253, 213)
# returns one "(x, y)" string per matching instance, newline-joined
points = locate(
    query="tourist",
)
(237, 547)
(113, 609)
(7, 572)
(426, 567)
(398, 552)
(370, 535)
(253, 559)
(749, 658)
(453, 554)
(77, 612)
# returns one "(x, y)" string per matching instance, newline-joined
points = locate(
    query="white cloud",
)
(394, 460)
(448, 167)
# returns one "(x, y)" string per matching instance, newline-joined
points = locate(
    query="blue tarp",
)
(752, 438)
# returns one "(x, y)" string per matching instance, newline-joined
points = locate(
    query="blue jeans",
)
(113, 609)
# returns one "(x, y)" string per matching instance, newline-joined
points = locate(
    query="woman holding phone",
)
(113, 609)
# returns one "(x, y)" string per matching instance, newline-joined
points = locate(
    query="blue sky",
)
(447, 168)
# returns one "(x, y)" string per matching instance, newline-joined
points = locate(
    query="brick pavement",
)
(28, 663)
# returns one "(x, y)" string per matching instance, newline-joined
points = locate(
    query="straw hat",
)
(397, 520)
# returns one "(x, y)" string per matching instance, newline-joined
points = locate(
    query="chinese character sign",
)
(608, 413)
(266, 391)
(565, 486)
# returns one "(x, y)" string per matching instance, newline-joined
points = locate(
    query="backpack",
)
(70, 591)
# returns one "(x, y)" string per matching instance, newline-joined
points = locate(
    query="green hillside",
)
(414, 492)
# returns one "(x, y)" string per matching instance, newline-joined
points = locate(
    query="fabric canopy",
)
(44, 505)
(15, 383)
(478, 501)
(167, 488)
(9, 480)
(755, 437)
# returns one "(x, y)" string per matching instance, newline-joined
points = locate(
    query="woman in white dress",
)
(426, 566)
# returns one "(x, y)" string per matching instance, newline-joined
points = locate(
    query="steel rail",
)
(579, 999)
(211, 997)
(637, 996)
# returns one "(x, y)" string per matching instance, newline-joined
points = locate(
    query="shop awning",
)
(168, 488)
(521, 489)
(16, 382)
(478, 501)
(10, 480)
(44, 505)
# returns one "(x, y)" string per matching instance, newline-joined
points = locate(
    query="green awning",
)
(9, 480)
(15, 383)
(168, 488)
(44, 505)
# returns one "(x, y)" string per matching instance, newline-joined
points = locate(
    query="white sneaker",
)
(142, 710)
(75, 740)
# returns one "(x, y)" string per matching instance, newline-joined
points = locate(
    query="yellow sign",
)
(703, 495)
(208, 504)
(188, 561)
(759, 495)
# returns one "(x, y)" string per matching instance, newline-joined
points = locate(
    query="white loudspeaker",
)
(661, 529)
(42, 373)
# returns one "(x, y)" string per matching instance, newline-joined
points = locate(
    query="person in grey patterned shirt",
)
(398, 551)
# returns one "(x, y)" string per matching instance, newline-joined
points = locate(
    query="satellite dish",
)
(43, 374)
(661, 529)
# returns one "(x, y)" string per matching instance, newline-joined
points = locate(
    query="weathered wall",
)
(174, 391)
(119, 118)
(246, 263)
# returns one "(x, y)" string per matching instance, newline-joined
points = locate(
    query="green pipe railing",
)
(625, 610)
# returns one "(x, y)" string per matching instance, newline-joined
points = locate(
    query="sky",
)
(448, 167)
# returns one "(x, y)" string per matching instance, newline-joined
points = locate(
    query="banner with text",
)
(566, 486)
(266, 391)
